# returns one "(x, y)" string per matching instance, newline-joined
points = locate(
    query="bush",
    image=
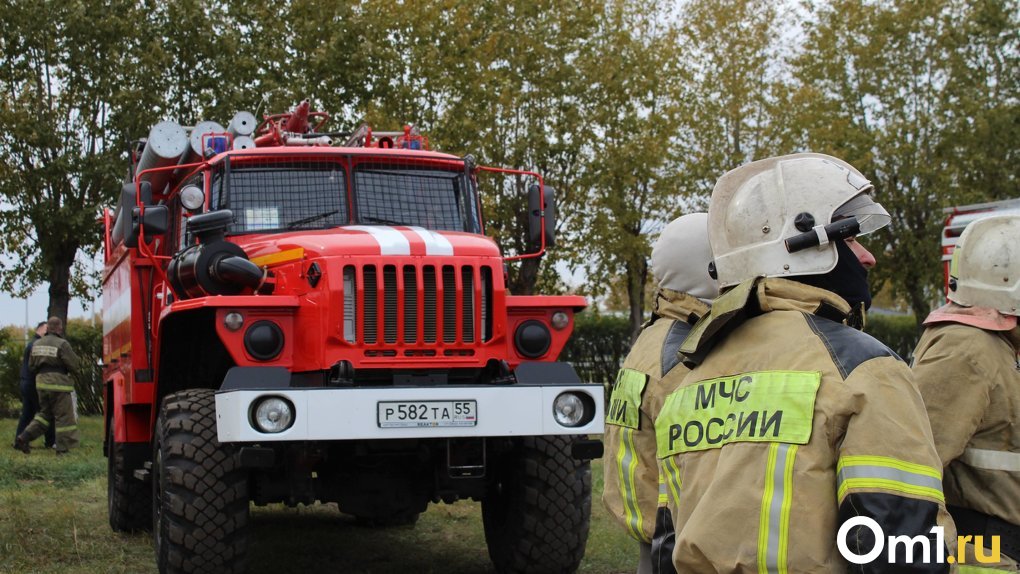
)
(598, 346)
(898, 332)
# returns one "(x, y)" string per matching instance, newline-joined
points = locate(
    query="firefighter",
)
(968, 369)
(680, 259)
(52, 361)
(29, 395)
(796, 441)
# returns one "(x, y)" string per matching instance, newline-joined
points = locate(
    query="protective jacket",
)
(790, 424)
(631, 491)
(52, 360)
(970, 380)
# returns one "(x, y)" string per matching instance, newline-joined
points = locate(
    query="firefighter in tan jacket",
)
(52, 361)
(968, 370)
(797, 443)
(680, 259)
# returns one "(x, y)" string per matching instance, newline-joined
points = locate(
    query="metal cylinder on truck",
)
(197, 140)
(243, 142)
(242, 124)
(166, 144)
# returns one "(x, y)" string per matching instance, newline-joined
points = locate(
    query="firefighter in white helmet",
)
(680, 259)
(968, 370)
(791, 422)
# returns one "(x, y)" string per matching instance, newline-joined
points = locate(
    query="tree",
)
(61, 139)
(923, 99)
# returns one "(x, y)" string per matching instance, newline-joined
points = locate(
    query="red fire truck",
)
(289, 321)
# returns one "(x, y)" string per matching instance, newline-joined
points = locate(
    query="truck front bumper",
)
(353, 413)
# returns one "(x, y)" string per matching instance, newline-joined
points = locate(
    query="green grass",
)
(53, 520)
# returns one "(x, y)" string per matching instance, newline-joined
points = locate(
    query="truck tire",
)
(199, 490)
(536, 515)
(129, 500)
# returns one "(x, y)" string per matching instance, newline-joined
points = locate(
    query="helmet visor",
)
(870, 215)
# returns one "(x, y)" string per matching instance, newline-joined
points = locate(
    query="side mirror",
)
(156, 221)
(537, 203)
(124, 217)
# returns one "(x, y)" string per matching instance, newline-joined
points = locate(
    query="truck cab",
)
(292, 321)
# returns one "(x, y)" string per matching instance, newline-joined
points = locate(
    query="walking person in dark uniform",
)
(51, 361)
(29, 396)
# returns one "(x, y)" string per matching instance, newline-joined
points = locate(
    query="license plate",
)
(404, 414)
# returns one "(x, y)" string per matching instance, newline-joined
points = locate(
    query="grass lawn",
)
(53, 519)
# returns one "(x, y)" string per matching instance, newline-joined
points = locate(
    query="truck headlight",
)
(571, 409)
(532, 339)
(264, 340)
(273, 415)
(560, 320)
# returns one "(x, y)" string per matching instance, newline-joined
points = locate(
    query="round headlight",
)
(532, 339)
(273, 415)
(569, 410)
(560, 320)
(263, 340)
(233, 321)
(192, 198)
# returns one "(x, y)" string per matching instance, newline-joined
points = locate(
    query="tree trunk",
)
(524, 280)
(60, 281)
(637, 273)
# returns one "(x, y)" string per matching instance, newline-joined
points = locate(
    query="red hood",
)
(379, 240)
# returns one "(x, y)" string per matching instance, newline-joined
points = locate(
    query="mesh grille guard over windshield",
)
(319, 192)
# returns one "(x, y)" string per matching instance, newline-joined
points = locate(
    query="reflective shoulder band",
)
(991, 459)
(886, 473)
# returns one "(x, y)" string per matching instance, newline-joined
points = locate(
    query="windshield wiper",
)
(312, 218)
(383, 221)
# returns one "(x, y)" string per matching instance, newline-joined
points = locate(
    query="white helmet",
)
(985, 269)
(681, 255)
(778, 217)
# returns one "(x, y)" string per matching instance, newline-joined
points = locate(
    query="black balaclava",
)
(848, 279)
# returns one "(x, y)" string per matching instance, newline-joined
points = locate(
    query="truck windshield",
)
(276, 197)
(414, 195)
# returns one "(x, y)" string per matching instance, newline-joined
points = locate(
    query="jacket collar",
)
(680, 306)
(981, 317)
(755, 297)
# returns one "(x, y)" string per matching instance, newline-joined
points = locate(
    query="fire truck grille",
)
(428, 302)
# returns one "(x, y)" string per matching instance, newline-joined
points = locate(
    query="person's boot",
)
(21, 444)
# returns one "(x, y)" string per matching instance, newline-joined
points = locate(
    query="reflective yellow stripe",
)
(673, 475)
(66, 429)
(886, 473)
(39, 419)
(54, 388)
(279, 257)
(763, 406)
(774, 520)
(626, 462)
(625, 402)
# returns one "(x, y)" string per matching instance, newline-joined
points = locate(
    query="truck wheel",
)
(128, 499)
(199, 490)
(536, 515)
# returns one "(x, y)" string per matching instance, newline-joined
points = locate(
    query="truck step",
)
(143, 474)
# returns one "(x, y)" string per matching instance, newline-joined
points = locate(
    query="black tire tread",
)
(205, 502)
(129, 500)
(540, 523)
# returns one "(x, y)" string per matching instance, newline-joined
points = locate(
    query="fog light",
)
(532, 339)
(233, 321)
(263, 340)
(569, 410)
(192, 198)
(560, 320)
(273, 415)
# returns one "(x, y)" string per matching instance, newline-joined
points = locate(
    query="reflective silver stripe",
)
(627, 464)
(776, 508)
(888, 473)
(44, 351)
(991, 459)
